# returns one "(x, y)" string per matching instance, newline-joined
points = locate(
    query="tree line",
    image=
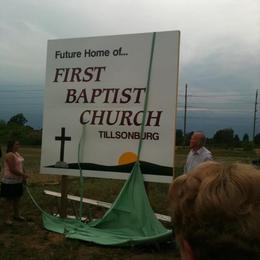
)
(16, 127)
(223, 138)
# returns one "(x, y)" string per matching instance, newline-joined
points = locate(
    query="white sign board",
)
(95, 94)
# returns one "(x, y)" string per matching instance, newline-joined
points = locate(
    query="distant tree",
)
(3, 130)
(257, 139)
(245, 138)
(209, 141)
(224, 137)
(29, 127)
(16, 129)
(2, 124)
(179, 137)
(236, 141)
(34, 137)
(18, 119)
(188, 137)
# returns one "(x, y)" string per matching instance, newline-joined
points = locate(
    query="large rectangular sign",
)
(94, 105)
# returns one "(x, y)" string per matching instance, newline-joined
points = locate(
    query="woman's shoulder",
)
(9, 155)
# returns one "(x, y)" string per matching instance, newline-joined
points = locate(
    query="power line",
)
(214, 96)
(21, 90)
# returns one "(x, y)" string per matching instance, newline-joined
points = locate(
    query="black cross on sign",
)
(62, 138)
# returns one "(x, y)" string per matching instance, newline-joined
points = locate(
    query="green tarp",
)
(129, 221)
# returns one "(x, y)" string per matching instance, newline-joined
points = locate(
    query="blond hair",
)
(216, 208)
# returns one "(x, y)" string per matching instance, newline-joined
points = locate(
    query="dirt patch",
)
(55, 238)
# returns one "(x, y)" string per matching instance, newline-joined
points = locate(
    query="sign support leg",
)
(64, 196)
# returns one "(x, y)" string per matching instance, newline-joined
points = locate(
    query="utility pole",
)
(256, 94)
(185, 115)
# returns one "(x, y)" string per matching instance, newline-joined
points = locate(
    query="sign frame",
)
(94, 80)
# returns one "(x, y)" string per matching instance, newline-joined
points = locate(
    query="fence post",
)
(64, 196)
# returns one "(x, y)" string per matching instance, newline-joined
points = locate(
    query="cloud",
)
(220, 40)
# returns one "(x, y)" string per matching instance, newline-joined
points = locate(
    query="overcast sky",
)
(219, 59)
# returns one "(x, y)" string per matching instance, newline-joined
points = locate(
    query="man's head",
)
(216, 212)
(197, 140)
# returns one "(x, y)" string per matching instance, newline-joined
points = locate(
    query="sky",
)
(219, 52)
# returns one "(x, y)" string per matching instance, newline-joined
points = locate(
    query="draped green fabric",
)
(129, 221)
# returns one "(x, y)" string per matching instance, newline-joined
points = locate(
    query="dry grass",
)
(30, 240)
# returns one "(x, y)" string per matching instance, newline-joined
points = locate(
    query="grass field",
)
(29, 240)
